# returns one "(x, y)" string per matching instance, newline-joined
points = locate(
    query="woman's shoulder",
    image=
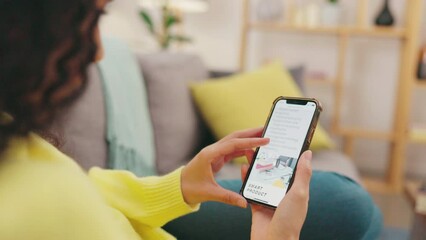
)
(33, 170)
(33, 149)
(43, 188)
(32, 161)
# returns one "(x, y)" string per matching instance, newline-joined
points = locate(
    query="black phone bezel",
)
(306, 143)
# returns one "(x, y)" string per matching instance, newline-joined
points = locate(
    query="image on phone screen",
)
(274, 164)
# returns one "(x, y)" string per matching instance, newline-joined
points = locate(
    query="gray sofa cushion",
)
(81, 127)
(178, 129)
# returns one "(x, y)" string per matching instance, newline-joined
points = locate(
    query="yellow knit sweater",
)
(45, 195)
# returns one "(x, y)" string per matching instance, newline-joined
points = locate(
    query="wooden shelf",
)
(276, 26)
(421, 83)
(389, 32)
(363, 133)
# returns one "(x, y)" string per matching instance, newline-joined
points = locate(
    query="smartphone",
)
(290, 126)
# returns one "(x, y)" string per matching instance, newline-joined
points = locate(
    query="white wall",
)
(372, 70)
(122, 21)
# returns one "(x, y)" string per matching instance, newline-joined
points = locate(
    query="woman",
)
(45, 48)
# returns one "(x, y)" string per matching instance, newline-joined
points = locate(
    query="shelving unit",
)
(420, 83)
(350, 31)
(400, 135)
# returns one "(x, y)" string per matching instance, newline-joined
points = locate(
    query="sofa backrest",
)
(81, 127)
(178, 129)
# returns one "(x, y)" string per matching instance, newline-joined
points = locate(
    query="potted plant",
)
(331, 13)
(164, 33)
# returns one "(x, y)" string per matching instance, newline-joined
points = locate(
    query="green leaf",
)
(170, 20)
(180, 38)
(147, 20)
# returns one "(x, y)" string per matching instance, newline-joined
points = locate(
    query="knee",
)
(341, 208)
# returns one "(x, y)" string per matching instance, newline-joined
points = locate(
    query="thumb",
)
(291, 212)
(303, 175)
(229, 197)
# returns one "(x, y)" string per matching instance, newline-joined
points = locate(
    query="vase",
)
(269, 10)
(385, 17)
(421, 67)
(330, 14)
(312, 14)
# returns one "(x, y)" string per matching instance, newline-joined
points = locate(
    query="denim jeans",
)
(338, 209)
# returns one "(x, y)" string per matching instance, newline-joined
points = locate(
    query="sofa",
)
(179, 131)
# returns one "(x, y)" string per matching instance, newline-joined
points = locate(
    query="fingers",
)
(300, 187)
(233, 145)
(236, 154)
(217, 165)
(229, 197)
(249, 133)
(249, 155)
(237, 144)
(291, 213)
(245, 167)
(304, 170)
(244, 170)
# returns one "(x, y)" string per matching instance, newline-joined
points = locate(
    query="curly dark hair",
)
(45, 48)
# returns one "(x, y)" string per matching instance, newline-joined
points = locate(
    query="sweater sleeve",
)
(151, 201)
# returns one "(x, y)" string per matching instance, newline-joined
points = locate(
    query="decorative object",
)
(171, 15)
(385, 17)
(330, 15)
(298, 15)
(269, 10)
(312, 14)
(421, 68)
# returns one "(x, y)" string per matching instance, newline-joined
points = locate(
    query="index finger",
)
(233, 145)
(248, 133)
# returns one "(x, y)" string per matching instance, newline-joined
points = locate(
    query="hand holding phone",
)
(290, 127)
(287, 220)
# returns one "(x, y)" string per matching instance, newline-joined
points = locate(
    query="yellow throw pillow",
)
(244, 100)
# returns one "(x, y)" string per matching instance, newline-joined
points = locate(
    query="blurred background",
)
(365, 60)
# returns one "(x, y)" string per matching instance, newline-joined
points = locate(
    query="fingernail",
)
(308, 154)
(242, 203)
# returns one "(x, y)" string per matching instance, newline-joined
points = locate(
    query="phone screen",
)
(274, 164)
